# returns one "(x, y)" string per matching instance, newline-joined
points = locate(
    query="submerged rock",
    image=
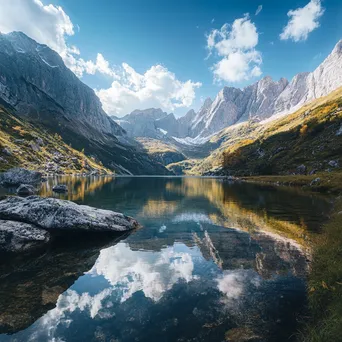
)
(18, 236)
(52, 213)
(18, 176)
(61, 188)
(26, 190)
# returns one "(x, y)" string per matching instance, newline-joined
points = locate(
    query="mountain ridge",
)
(261, 100)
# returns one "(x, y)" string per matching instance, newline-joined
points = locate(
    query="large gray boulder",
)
(52, 213)
(19, 236)
(17, 176)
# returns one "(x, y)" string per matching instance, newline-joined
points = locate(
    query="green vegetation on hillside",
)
(325, 284)
(311, 136)
(183, 167)
(327, 182)
(31, 147)
(161, 151)
(307, 141)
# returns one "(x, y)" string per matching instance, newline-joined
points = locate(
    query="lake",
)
(214, 261)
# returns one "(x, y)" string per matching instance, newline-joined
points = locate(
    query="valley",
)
(243, 245)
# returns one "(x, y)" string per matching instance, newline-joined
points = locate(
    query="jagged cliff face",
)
(141, 123)
(232, 105)
(35, 84)
(152, 123)
(305, 87)
(266, 97)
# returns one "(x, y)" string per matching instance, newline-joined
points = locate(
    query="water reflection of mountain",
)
(213, 259)
(31, 283)
(170, 295)
(78, 186)
(278, 221)
(243, 206)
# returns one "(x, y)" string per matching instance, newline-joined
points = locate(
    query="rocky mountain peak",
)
(19, 39)
(207, 102)
(152, 113)
(337, 49)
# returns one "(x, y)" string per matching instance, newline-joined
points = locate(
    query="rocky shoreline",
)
(30, 222)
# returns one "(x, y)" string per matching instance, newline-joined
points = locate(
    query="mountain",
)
(267, 98)
(150, 123)
(35, 84)
(306, 141)
(141, 123)
(25, 145)
(259, 101)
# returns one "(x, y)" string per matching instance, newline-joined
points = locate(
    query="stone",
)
(301, 169)
(53, 213)
(260, 152)
(19, 236)
(35, 147)
(61, 188)
(6, 151)
(315, 181)
(26, 190)
(339, 131)
(3, 160)
(333, 163)
(40, 141)
(18, 176)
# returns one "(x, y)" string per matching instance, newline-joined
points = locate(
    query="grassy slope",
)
(161, 151)
(329, 182)
(19, 147)
(325, 284)
(183, 167)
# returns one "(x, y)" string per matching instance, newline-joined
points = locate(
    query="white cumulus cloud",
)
(157, 87)
(302, 21)
(49, 24)
(236, 46)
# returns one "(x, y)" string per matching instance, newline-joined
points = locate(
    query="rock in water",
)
(61, 188)
(18, 236)
(52, 213)
(18, 176)
(26, 190)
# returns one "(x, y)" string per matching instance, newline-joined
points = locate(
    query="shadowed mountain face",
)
(31, 283)
(213, 260)
(36, 84)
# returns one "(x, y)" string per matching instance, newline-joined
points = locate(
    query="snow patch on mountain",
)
(163, 131)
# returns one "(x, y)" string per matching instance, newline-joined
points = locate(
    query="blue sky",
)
(173, 35)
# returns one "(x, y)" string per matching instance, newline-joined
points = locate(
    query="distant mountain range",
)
(36, 85)
(259, 101)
